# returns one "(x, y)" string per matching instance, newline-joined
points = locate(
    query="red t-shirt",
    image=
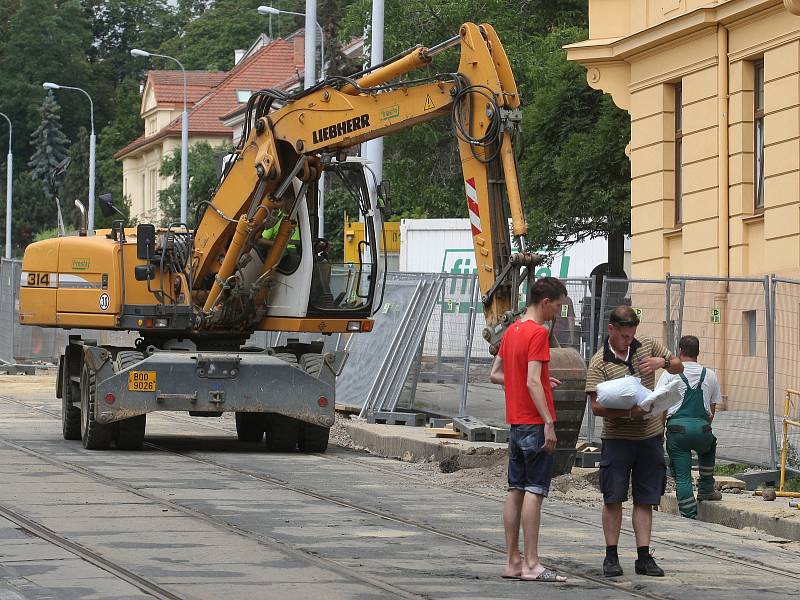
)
(523, 342)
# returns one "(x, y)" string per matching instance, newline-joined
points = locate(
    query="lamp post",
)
(309, 78)
(92, 144)
(9, 185)
(184, 133)
(310, 75)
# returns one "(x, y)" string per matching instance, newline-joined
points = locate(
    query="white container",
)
(445, 245)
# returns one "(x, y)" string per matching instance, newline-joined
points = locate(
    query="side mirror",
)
(144, 272)
(145, 241)
(107, 205)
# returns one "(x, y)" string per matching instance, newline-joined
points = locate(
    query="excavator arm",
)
(291, 143)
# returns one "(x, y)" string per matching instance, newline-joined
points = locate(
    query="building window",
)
(678, 154)
(243, 96)
(758, 125)
(750, 333)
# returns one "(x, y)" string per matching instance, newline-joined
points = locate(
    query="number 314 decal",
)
(39, 279)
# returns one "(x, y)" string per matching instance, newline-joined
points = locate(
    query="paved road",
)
(199, 515)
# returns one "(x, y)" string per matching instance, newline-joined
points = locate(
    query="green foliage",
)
(46, 234)
(730, 468)
(49, 141)
(573, 170)
(204, 161)
(33, 211)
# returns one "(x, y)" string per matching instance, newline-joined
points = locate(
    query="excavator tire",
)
(250, 427)
(70, 414)
(129, 433)
(313, 438)
(93, 435)
(282, 433)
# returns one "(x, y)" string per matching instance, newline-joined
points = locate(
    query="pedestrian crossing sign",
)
(716, 318)
(564, 311)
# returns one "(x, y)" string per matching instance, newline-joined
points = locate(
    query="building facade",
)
(211, 95)
(713, 92)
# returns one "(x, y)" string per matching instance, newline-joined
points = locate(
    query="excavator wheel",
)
(250, 427)
(70, 414)
(282, 433)
(313, 438)
(93, 435)
(129, 433)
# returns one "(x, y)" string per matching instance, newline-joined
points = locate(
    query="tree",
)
(50, 143)
(573, 164)
(204, 161)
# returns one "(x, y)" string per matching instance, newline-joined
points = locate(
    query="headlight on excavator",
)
(162, 322)
(354, 326)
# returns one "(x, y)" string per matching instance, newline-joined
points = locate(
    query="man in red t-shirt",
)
(522, 368)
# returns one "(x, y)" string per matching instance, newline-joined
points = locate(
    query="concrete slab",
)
(411, 443)
(742, 511)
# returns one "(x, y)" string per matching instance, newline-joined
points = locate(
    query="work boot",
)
(648, 567)
(611, 567)
(713, 495)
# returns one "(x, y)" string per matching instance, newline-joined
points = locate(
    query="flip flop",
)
(547, 576)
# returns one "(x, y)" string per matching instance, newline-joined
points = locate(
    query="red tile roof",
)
(168, 85)
(269, 66)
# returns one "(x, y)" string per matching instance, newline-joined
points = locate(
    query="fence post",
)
(473, 295)
(769, 299)
(670, 328)
(441, 331)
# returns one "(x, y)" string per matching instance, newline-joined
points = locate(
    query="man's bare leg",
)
(612, 523)
(531, 519)
(511, 519)
(642, 523)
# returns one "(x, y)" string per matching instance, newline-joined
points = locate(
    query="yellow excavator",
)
(251, 263)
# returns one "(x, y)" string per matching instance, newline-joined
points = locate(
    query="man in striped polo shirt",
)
(633, 447)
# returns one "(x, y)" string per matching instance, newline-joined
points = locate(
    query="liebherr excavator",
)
(195, 296)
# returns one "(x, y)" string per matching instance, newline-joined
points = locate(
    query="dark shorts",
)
(643, 460)
(529, 467)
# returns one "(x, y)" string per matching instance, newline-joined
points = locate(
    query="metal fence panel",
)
(786, 324)
(731, 317)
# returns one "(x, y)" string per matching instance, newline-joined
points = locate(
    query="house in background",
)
(211, 96)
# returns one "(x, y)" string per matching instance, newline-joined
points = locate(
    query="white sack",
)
(661, 399)
(623, 394)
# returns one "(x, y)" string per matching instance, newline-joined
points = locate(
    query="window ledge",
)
(756, 218)
(671, 233)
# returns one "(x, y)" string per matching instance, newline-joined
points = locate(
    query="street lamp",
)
(309, 80)
(309, 77)
(92, 144)
(9, 179)
(184, 134)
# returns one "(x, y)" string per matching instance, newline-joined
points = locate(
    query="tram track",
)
(250, 473)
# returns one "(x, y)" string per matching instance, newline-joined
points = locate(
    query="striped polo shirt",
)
(605, 366)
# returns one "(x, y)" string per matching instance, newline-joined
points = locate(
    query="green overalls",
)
(687, 430)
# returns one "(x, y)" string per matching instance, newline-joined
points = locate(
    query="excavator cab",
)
(342, 288)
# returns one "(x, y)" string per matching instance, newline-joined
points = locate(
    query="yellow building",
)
(713, 92)
(211, 96)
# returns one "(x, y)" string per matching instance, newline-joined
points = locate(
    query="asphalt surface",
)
(198, 514)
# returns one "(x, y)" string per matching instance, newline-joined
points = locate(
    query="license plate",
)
(142, 381)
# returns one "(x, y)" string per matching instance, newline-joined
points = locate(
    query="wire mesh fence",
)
(786, 323)
(731, 318)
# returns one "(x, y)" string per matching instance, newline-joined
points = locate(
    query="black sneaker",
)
(648, 567)
(611, 567)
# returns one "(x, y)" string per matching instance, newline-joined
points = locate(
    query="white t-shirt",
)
(692, 370)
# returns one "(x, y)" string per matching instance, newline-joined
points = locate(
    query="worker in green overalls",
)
(291, 256)
(689, 428)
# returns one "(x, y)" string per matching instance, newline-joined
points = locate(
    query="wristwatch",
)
(666, 363)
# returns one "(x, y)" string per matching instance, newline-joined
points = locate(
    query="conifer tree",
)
(50, 144)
